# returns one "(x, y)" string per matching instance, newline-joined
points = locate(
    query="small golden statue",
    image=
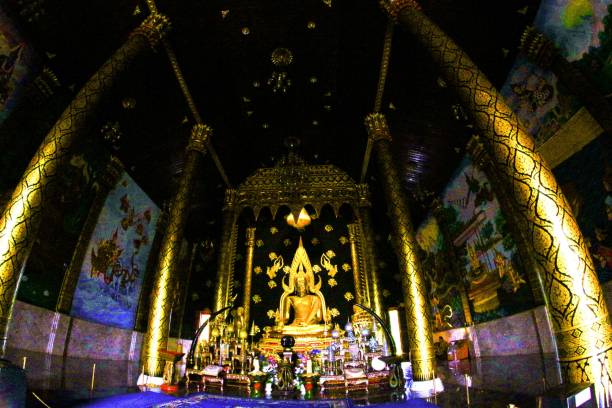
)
(302, 296)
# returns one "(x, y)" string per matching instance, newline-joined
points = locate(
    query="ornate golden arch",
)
(295, 184)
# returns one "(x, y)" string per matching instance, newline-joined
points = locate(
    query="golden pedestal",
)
(303, 344)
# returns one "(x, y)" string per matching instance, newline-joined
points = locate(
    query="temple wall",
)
(528, 332)
(43, 331)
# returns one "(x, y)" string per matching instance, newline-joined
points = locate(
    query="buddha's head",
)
(301, 285)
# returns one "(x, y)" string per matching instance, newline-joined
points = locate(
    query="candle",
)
(256, 365)
(308, 366)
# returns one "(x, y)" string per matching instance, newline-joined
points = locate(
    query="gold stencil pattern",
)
(248, 274)
(226, 251)
(156, 337)
(415, 295)
(576, 304)
(22, 214)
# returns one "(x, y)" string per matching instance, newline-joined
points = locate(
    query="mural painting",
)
(17, 60)
(444, 284)
(586, 181)
(574, 25)
(539, 100)
(61, 226)
(494, 277)
(582, 31)
(112, 272)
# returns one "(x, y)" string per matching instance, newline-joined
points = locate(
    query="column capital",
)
(230, 199)
(363, 192)
(250, 236)
(353, 231)
(537, 47)
(200, 134)
(377, 127)
(394, 7)
(153, 28)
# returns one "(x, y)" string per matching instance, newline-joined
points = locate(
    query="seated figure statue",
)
(303, 297)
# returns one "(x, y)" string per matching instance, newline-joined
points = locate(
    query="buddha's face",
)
(301, 287)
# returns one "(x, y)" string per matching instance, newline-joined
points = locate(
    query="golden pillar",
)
(248, 274)
(575, 301)
(481, 159)
(107, 181)
(156, 338)
(142, 311)
(420, 340)
(353, 230)
(227, 246)
(363, 266)
(22, 214)
(375, 290)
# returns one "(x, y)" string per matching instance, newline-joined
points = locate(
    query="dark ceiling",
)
(224, 48)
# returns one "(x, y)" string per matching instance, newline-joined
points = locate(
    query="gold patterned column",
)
(225, 247)
(353, 230)
(420, 340)
(481, 160)
(107, 181)
(142, 311)
(576, 303)
(158, 328)
(22, 214)
(248, 274)
(365, 218)
(363, 266)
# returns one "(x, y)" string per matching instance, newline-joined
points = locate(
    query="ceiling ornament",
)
(279, 81)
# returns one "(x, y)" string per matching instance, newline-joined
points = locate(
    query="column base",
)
(149, 381)
(426, 389)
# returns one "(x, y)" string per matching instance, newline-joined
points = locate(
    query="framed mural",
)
(586, 181)
(17, 62)
(61, 226)
(115, 262)
(582, 29)
(539, 100)
(486, 253)
(444, 284)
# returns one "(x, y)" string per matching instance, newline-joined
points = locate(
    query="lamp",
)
(302, 221)
(394, 323)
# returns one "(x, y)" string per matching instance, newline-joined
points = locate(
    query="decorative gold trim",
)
(154, 28)
(156, 338)
(537, 47)
(420, 340)
(248, 274)
(394, 7)
(147, 284)
(580, 130)
(353, 231)
(375, 295)
(200, 134)
(295, 185)
(377, 127)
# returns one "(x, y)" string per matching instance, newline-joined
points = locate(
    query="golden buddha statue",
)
(302, 297)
